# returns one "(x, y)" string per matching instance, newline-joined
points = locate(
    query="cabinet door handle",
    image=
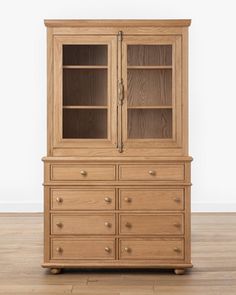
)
(177, 224)
(177, 200)
(127, 199)
(83, 172)
(152, 172)
(177, 249)
(128, 224)
(59, 249)
(107, 224)
(59, 224)
(127, 249)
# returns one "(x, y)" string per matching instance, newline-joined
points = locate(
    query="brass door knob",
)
(82, 172)
(177, 249)
(152, 172)
(107, 224)
(59, 200)
(127, 199)
(107, 199)
(127, 249)
(128, 224)
(107, 249)
(59, 249)
(59, 224)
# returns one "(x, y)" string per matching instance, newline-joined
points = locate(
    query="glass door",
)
(152, 97)
(84, 74)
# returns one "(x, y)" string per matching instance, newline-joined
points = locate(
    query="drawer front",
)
(152, 172)
(151, 199)
(82, 249)
(83, 224)
(151, 249)
(79, 199)
(82, 172)
(151, 224)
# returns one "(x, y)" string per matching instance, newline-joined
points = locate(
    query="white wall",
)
(23, 93)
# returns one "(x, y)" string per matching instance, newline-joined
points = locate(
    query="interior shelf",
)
(83, 107)
(93, 67)
(149, 67)
(150, 107)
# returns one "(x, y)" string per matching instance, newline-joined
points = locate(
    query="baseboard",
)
(196, 207)
(25, 207)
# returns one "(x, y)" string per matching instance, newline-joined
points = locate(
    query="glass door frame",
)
(176, 140)
(58, 140)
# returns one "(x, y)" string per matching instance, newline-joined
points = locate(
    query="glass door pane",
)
(149, 91)
(85, 86)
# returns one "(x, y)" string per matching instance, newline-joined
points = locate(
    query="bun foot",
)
(179, 271)
(55, 271)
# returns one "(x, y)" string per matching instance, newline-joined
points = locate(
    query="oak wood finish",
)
(117, 171)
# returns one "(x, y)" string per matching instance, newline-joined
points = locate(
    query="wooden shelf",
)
(150, 107)
(85, 67)
(148, 67)
(85, 107)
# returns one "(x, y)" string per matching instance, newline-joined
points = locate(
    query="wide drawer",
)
(83, 224)
(151, 199)
(82, 248)
(81, 199)
(151, 224)
(82, 172)
(151, 249)
(150, 172)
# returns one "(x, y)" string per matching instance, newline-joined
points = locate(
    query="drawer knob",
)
(152, 172)
(177, 249)
(127, 199)
(177, 199)
(82, 172)
(127, 249)
(128, 224)
(107, 249)
(177, 224)
(107, 224)
(59, 249)
(59, 224)
(59, 200)
(107, 199)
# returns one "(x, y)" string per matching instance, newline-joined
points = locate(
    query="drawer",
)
(83, 224)
(82, 172)
(151, 199)
(151, 224)
(81, 199)
(152, 172)
(82, 248)
(151, 249)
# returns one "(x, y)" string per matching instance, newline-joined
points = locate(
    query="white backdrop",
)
(212, 93)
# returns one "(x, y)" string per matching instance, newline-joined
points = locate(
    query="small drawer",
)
(81, 199)
(83, 224)
(80, 172)
(151, 249)
(151, 199)
(150, 172)
(62, 248)
(151, 224)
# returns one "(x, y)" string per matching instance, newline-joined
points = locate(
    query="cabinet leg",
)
(179, 271)
(55, 271)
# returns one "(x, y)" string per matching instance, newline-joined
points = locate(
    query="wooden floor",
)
(213, 253)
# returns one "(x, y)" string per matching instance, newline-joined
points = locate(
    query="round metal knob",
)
(176, 249)
(107, 249)
(59, 200)
(59, 224)
(107, 224)
(82, 172)
(127, 199)
(59, 249)
(107, 199)
(127, 249)
(151, 172)
(128, 224)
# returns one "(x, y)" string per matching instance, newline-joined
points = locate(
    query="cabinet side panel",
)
(49, 89)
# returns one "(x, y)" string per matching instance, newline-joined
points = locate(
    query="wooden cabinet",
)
(117, 171)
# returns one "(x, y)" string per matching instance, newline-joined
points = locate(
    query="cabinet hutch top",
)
(117, 23)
